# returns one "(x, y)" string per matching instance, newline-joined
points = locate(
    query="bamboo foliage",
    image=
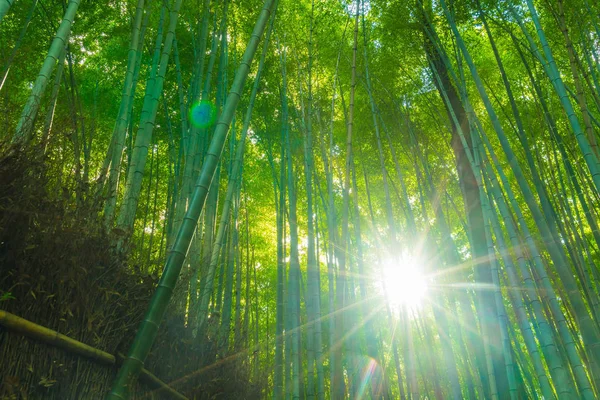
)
(144, 134)
(233, 186)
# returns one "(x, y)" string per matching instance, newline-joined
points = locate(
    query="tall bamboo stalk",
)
(149, 327)
(25, 125)
(118, 137)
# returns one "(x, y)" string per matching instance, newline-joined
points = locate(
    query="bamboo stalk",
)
(25, 124)
(32, 330)
(149, 326)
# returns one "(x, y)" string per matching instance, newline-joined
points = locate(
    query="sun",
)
(405, 281)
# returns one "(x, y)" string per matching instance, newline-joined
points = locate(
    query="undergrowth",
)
(59, 269)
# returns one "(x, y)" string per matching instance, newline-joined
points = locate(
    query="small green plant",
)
(6, 296)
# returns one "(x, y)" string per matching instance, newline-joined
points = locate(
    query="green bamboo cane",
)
(410, 218)
(311, 266)
(547, 291)
(429, 371)
(149, 327)
(177, 158)
(77, 135)
(256, 322)
(238, 284)
(485, 304)
(524, 371)
(545, 336)
(147, 205)
(384, 174)
(232, 188)
(210, 213)
(279, 192)
(557, 229)
(542, 194)
(294, 268)
(217, 306)
(278, 388)
(114, 173)
(196, 155)
(595, 272)
(29, 114)
(378, 240)
(575, 247)
(358, 316)
(287, 304)
(549, 119)
(554, 75)
(500, 312)
(139, 155)
(574, 64)
(118, 136)
(104, 171)
(246, 322)
(589, 331)
(200, 55)
(222, 76)
(182, 104)
(154, 207)
(372, 351)
(173, 168)
(314, 341)
(228, 295)
(486, 375)
(194, 146)
(329, 207)
(439, 315)
(204, 135)
(54, 100)
(190, 133)
(332, 233)
(338, 384)
(452, 258)
(587, 49)
(537, 259)
(319, 354)
(496, 283)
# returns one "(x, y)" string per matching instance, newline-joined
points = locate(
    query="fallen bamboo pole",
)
(34, 331)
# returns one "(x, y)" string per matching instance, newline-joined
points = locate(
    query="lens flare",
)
(202, 114)
(367, 377)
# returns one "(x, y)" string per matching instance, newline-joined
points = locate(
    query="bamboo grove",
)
(353, 199)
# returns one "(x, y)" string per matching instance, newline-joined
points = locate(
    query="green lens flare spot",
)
(202, 114)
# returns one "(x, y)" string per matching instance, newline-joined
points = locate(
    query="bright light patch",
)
(405, 282)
